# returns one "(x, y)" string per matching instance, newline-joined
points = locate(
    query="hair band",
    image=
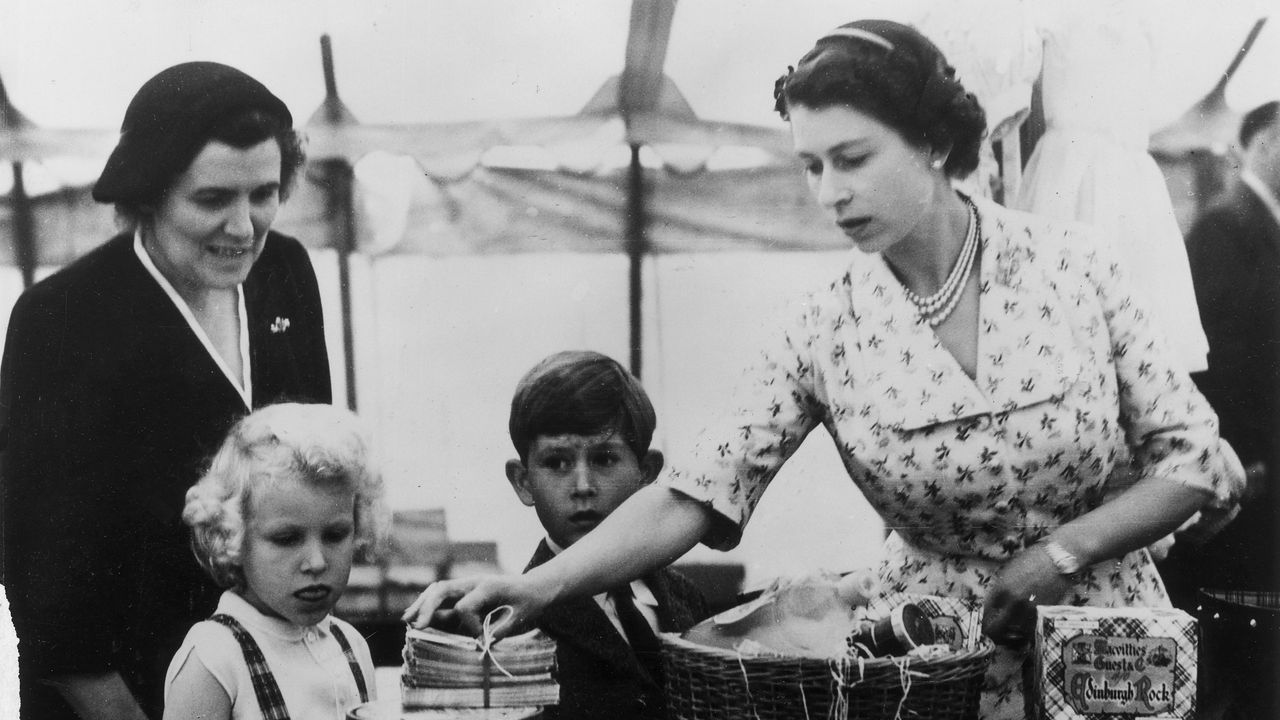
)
(859, 34)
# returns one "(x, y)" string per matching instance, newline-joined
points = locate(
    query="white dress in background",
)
(1092, 163)
(994, 47)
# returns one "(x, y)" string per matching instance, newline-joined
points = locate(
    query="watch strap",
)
(1066, 562)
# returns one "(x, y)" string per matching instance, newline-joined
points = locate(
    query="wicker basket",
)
(706, 683)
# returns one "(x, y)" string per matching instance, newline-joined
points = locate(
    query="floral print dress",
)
(1071, 384)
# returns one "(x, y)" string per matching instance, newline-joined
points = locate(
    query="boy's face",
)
(575, 481)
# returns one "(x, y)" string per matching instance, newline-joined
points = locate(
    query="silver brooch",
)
(279, 325)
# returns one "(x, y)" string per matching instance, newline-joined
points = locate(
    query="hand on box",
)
(462, 605)
(1029, 579)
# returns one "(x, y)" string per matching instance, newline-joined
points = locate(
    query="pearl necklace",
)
(938, 307)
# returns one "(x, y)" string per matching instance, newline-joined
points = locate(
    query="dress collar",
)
(244, 385)
(1024, 342)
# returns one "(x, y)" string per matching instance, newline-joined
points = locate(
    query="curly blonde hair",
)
(322, 445)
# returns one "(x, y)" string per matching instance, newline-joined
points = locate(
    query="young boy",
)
(582, 426)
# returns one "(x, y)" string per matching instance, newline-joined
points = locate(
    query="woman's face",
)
(875, 184)
(209, 229)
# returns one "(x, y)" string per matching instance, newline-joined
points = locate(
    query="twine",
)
(804, 702)
(746, 681)
(486, 640)
(485, 643)
(904, 681)
(840, 698)
(843, 686)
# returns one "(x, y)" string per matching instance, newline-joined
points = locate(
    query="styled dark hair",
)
(243, 130)
(174, 115)
(579, 392)
(1258, 119)
(897, 76)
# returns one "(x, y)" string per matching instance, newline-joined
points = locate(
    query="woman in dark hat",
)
(983, 373)
(123, 371)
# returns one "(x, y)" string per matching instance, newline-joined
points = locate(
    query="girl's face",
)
(297, 550)
(875, 184)
(210, 227)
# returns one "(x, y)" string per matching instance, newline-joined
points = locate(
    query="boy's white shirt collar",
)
(1264, 193)
(243, 385)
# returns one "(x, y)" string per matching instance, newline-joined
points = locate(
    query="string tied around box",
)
(486, 642)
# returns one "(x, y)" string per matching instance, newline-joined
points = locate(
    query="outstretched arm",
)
(652, 528)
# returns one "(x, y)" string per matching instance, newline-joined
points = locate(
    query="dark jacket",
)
(109, 408)
(1234, 249)
(598, 673)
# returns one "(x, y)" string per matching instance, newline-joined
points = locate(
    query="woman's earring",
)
(936, 164)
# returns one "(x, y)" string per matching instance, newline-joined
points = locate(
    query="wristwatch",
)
(1067, 563)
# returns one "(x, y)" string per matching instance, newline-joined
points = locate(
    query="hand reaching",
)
(461, 605)
(1028, 580)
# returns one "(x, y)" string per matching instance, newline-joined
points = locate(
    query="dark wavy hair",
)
(579, 392)
(897, 76)
(1257, 119)
(240, 130)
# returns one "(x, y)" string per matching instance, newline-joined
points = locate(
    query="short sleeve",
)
(217, 649)
(1172, 430)
(775, 407)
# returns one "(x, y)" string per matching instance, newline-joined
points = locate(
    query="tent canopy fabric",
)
(504, 210)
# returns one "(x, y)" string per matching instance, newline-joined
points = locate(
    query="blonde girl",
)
(287, 502)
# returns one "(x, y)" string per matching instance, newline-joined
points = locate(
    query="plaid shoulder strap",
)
(352, 661)
(270, 701)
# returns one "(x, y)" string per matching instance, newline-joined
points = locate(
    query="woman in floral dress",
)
(985, 375)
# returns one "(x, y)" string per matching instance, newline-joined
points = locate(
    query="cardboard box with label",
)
(1099, 662)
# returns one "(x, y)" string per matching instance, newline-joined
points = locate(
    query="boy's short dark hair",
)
(1256, 119)
(579, 392)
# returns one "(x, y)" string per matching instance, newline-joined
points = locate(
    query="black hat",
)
(168, 122)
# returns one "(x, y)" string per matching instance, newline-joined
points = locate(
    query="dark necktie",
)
(639, 633)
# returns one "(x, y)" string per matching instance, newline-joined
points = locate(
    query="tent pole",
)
(24, 246)
(339, 184)
(637, 247)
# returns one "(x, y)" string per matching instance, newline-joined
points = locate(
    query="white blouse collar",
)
(1264, 193)
(237, 607)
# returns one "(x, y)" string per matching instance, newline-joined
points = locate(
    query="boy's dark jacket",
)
(598, 673)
